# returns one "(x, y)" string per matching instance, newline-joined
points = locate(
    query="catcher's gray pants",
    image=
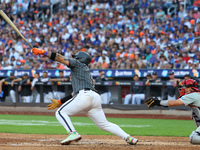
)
(195, 114)
(89, 103)
(195, 136)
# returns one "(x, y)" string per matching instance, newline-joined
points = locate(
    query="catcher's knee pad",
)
(194, 138)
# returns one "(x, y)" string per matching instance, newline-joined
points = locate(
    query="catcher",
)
(189, 96)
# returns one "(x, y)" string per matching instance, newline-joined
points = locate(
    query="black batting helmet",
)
(83, 57)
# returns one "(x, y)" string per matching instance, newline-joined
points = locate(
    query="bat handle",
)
(28, 43)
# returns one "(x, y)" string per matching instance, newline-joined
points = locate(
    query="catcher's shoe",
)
(132, 141)
(73, 136)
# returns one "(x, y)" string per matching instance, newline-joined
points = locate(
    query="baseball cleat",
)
(132, 141)
(73, 136)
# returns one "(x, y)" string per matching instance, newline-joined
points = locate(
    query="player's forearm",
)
(1, 83)
(0, 86)
(16, 80)
(53, 56)
(175, 84)
(57, 57)
(44, 79)
(177, 102)
(171, 103)
(147, 81)
(23, 81)
(60, 79)
(34, 82)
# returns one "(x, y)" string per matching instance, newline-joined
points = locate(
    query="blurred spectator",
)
(186, 57)
(155, 90)
(104, 58)
(60, 92)
(144, 4)
(137, 93)
(115, 28)
(148, 77)
(25, 4)
(160, 14)
(7, 66)
(37, 87)
(152, 5)
(103, 90)
(195, 14)
(47, 89)
(14, 53)
(181, 64)
(24, 88)
(20, 9)
(45, 5)
(189, 65)
(187, 76)
(163, 62)
(172, 89)
(181, 12)
(11, 89)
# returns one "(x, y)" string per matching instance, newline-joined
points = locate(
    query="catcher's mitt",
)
(152, 101)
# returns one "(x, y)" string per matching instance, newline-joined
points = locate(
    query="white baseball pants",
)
(136, 98)
(13, 96)
(88, 102)
(171, 97)
(105, 98)
(58, 95)
(46, 97)
(27, 99)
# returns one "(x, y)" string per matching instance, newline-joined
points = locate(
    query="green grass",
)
(30, 124)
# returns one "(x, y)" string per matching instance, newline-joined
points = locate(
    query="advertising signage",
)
(108, 73)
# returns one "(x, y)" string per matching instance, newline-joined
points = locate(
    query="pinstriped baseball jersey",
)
(81, 76)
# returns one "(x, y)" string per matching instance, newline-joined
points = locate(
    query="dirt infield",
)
(10, 141)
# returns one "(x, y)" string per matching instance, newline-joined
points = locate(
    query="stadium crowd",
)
(117, 34)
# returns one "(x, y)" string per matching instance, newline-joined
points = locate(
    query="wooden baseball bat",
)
(13, 26)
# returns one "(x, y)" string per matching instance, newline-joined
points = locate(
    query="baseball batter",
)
(84, 98)
(189, 96)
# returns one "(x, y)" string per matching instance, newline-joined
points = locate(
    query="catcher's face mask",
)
(182, 91)
(182, 87)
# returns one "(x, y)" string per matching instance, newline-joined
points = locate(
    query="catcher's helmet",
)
(83, 57)
(189, 83)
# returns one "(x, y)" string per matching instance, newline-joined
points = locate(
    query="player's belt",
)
(86, 89)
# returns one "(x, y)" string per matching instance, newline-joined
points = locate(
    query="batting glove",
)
(54, 104)
(37, 51)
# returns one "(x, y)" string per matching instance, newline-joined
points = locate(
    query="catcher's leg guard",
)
(194, 138)
(195, 116)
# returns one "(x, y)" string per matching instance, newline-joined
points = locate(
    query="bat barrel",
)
(7, 19)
